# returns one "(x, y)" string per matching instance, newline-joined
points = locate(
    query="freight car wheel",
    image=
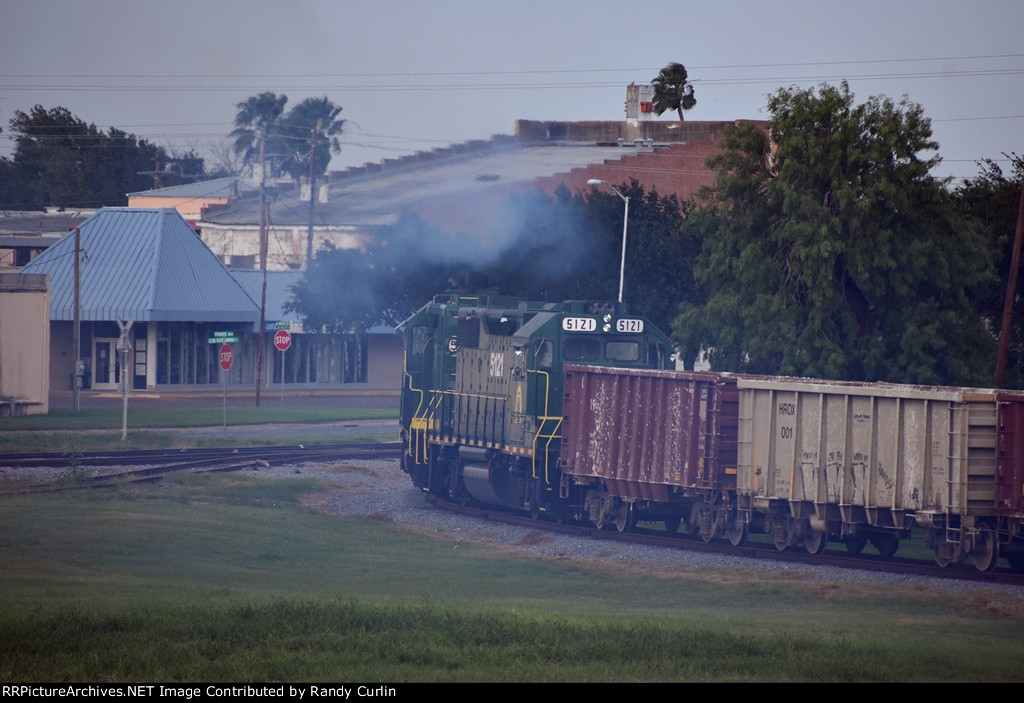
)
(625, 517)
(815, 542)
(738, 535)
(886, 545)
(986, 549)
(946, 553)
(855, 545)
(781, 529)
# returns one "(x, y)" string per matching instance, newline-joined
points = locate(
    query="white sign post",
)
(124, 346)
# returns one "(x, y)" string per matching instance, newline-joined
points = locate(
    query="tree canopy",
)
(672, 90)
(297, 128)
(289, 136)
(60, 160)
(830, 251)
(991, 200)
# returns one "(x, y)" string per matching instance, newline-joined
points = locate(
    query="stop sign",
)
(282, 340)
(225, 356)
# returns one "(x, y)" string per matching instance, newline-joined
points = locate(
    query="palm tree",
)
(312, 115)
(260, 113)
(672, 91)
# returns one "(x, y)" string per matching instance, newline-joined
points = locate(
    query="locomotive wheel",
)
(941, 559)
(738, 535)
(986, 549)
(625, 517)
(886, 545)
(855, 545)
(815, 542)
(672, 524)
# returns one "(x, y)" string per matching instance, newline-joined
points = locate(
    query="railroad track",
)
(753, 549)
(150, 465)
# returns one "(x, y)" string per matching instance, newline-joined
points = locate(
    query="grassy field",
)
(66, 432)
(213, 578)
(110, 418)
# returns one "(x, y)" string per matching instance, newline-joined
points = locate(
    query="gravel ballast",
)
(379, 490)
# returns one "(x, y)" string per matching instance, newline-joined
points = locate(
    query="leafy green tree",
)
(991, 199)
(660, 253)
(830, 251)
(60, 160)
(672, 90)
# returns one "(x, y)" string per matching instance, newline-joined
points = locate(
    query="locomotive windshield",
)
(622, 351)
(581, 349)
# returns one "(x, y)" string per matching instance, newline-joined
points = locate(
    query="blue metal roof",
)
(279, 290)
(144, 263)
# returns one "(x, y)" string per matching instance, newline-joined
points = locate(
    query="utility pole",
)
(76, 332)
(1011, 292)
(263, 262)
(312, 192)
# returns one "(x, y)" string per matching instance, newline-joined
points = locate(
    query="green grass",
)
(230, 577)
(73, 443)
(110, 418)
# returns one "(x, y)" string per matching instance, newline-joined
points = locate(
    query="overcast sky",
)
(416, 75)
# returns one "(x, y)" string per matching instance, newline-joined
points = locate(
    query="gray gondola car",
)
(864, 462)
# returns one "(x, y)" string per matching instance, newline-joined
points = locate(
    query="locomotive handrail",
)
(412, 429)
(547, 448)
(544, 419)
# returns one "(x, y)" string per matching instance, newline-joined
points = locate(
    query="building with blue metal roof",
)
(149, 265)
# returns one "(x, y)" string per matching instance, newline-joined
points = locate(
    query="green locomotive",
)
(481, 409)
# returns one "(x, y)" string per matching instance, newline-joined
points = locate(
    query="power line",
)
(549, 71)
(573, 85)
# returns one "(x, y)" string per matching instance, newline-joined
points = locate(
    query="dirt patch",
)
(979, 602)
(533, 538)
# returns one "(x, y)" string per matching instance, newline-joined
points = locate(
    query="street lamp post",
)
(625, 224)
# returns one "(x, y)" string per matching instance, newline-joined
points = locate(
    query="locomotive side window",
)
(543, 352)
(581, 349)
(622, 351)
(420, 339)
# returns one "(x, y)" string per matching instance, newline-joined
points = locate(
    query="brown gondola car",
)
(653, 445)
(1009, 486)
